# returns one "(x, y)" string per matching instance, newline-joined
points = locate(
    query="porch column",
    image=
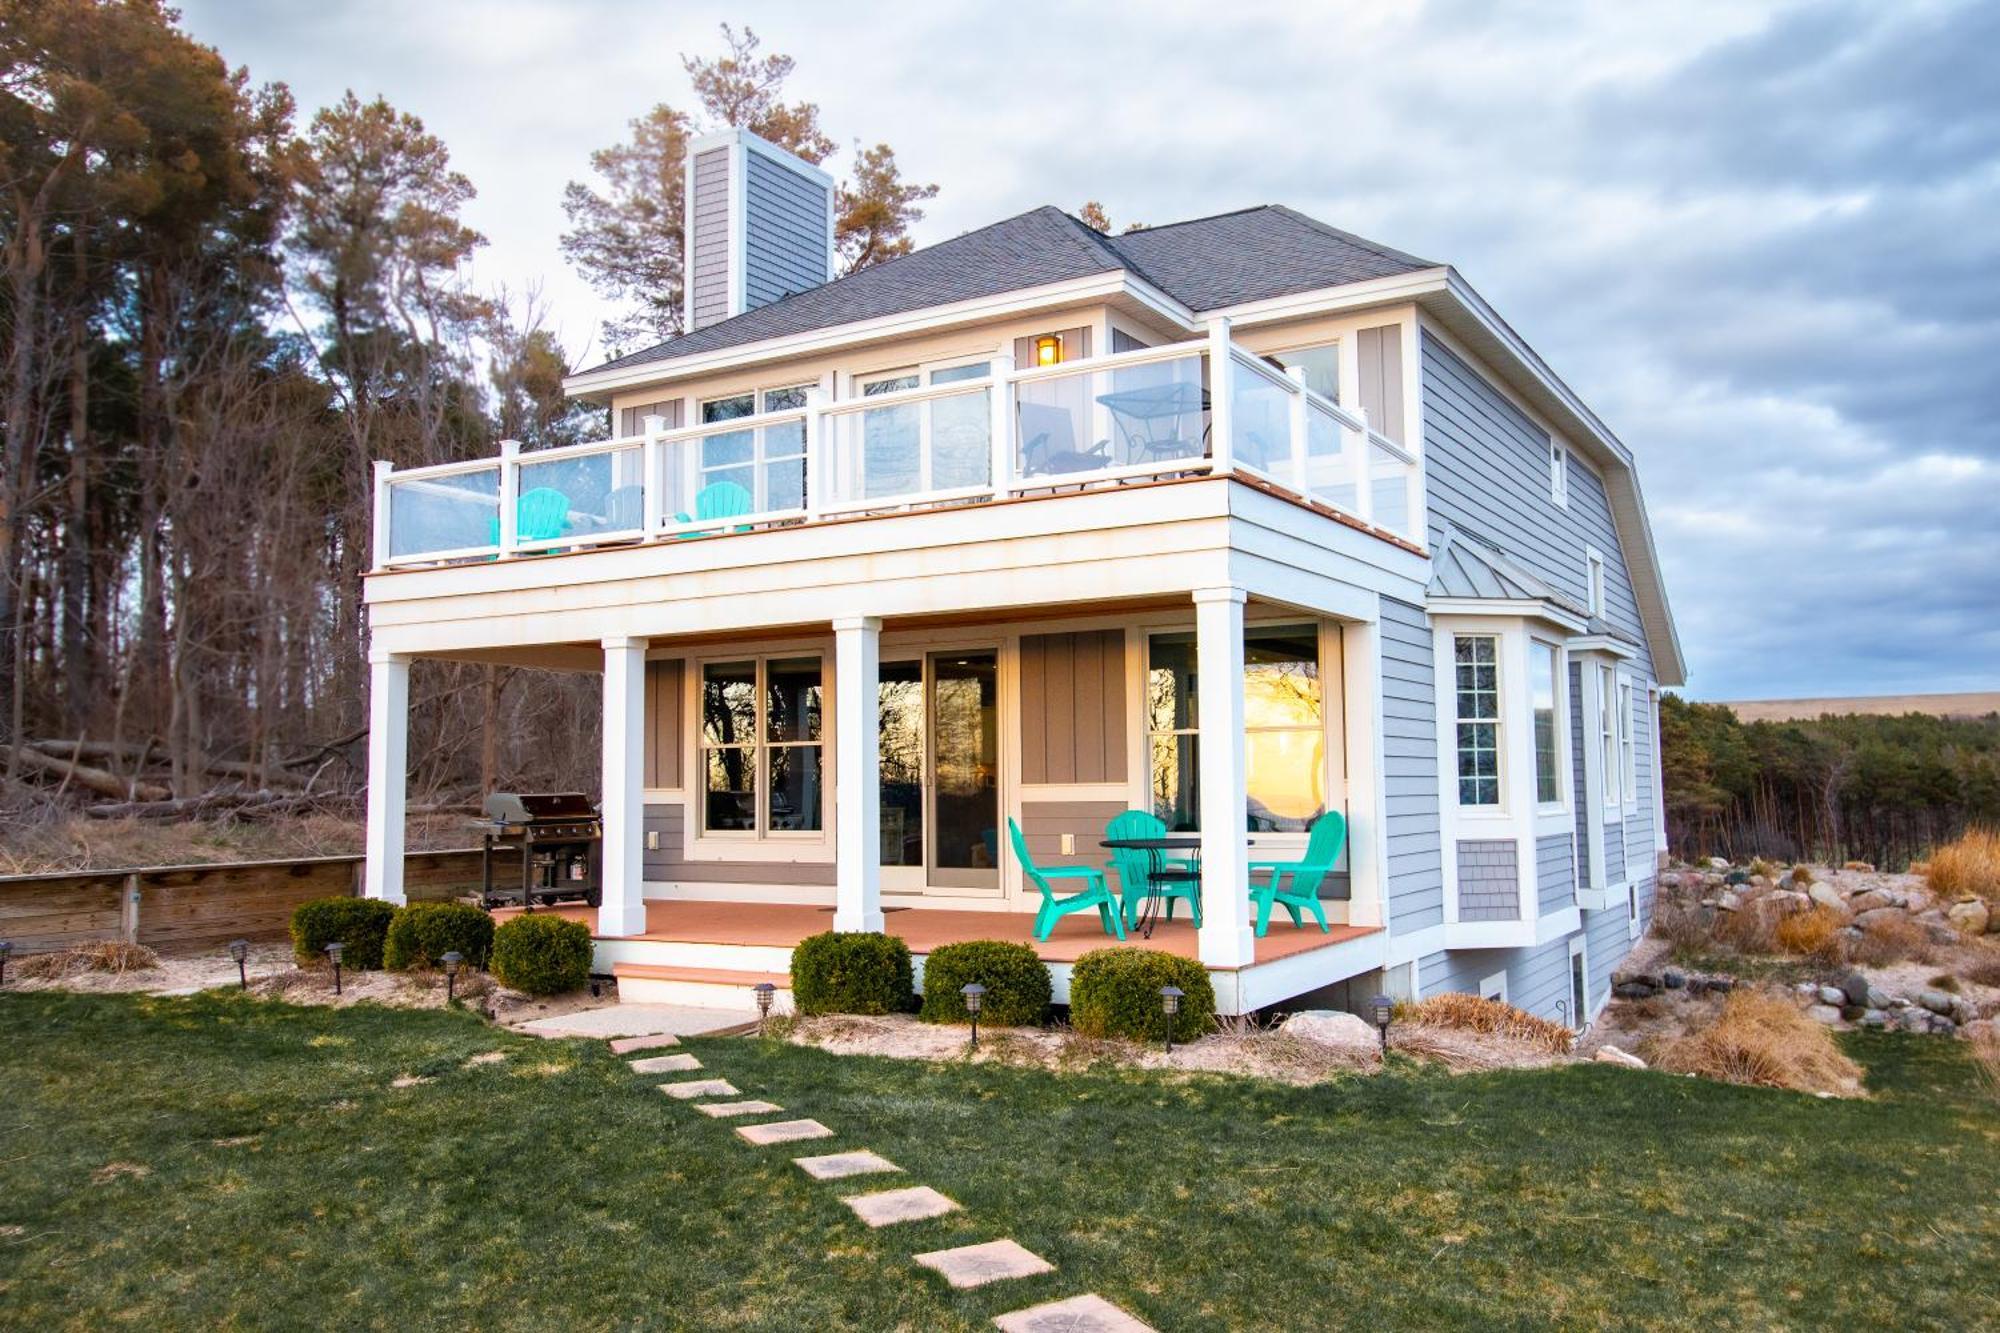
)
(1225, 939)
(388, 773)
(857, 780)
(623, 911)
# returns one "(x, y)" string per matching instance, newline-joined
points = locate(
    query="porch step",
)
(700, 987)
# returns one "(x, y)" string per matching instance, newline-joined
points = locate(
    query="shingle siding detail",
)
(1614, 853)
(1489, 880)
(1410, 769)
(785, 232)
(1555, 873)
(708, 226)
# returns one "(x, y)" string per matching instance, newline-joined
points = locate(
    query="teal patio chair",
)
(1135, 868)
(1095, 893)
(1323, 844)
(540, 515)
(722, 499)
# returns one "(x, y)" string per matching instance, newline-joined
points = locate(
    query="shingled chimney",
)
(760, 226)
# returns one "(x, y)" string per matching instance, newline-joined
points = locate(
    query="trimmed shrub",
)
(1017, 983)
(852, 972)
(542, 954)
(423, 933)
(1116, 993)
(360, 924)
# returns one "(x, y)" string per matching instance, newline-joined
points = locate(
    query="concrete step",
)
(701, 987)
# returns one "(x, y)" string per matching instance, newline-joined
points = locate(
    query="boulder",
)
(1875, 917)
(1872, 900)
(1611, 1055)
(1823, 1013)
(1832, 995)
(1970, 915)
(1877, 998)
(1728, 902)
(1829, 897)
(1673, 978)
(1874, 1019)
(1331, 1027)
(1717, 863)
(1633, 990)
(1855, 987)
(1936, 1001)
(1963, 1011)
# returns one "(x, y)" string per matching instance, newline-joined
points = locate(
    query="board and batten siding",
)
(784, 231)
(1555, 872)
(663, 724)
(669, 860)
(632, 420)
(1410, 769)
(1489, 879)
(1487, 470)
(1073, 707)
(1379, 355)
(708, 238)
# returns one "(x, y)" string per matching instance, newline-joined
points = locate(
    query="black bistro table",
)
(1156, 850)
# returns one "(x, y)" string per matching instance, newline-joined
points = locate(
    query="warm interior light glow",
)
(1048, 349)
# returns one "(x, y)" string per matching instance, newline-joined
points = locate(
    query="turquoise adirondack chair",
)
(1323, 844)
(540, 515)
(723, 499)
(1096, 893)
(1135, 868)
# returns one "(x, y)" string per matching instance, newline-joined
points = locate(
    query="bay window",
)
(762, 736)
(1476, 689)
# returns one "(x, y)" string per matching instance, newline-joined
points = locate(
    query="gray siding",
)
(784, 232)
(1410, 769)
(1487, 468)
(1580, 792)
(1640, 857)
(1044, 822)
(708, 236)
(1555, 873)
(1537, 978)
(669, 861)
(1614, 854)
(1489, 880)
(1073, 707)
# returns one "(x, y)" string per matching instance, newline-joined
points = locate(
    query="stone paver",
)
(652, 1042)
(722, 1110)
(1078, 1314)
(638, 1020)
(906, 1205)
(784, 1131)
(666, 1064)
(977, 1265)
(839, 1165)
(700, 1087)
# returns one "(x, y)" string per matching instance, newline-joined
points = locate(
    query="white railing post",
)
(1301, 422)
(1002, 468)
(384, 543)
(815, 446)
(1221, 373)
(1364, 470)
(510, 493)
(651, 478)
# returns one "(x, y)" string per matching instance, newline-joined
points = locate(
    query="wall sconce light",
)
(1049, 349)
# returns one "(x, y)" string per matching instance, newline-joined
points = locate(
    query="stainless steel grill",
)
(558, 840)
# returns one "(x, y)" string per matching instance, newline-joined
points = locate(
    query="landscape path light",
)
(1383, 1008)
(239, 951)
(333, 952)
(975, 996)
(1170, 1005)
(6, 951)
(766, 992)
(451, 960)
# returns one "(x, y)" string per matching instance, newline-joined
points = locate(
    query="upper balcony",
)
(970, 434)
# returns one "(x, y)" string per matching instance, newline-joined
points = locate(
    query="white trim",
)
(1558, 472)
(1582, 1012)
(739, 229)
(1494, 987)
(803, 846)
(1605, 644)
(1510, 608)
(1593, 581)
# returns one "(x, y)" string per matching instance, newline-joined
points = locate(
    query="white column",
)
(857, 779)
(623, 911)
(388, 773)
(1367, 798)
(1225, 940)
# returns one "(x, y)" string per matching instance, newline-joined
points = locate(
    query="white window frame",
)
(1558, 473)
(1607, 741)
(761, 842)
(1557, 688)
(1628, 761)
(1495, 987)
(759, 461)
(1500, 804)
(1593, 580)
(1631, 905)
(925, 373)
(1579, 947)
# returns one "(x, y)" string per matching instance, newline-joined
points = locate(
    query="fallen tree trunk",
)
(128, 753)
(236, 804)
(92, 779)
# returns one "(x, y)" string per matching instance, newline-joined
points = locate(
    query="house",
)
(1240, 520)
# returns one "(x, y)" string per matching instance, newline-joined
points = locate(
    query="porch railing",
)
(1153, 412)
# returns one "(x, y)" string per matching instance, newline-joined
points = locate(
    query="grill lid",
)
(506, 807)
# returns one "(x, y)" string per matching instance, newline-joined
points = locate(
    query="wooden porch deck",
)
(783, 925)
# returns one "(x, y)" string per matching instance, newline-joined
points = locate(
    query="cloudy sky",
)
(1763, 242)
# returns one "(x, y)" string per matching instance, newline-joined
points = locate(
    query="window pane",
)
(795, 788)
(792, 707)
(961, 440)
(1175, 782)
(1477, 701)
(1170, 683)
(729, 789)
(729, 703)
(789, 399)
(1286, 783)
(1281, 677)
(1542, 680)
(728, 448)
(900, 738)
(1321, 365)
(953, 374)
(728, 409)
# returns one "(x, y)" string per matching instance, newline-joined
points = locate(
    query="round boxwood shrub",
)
(1116, 993)
(360, 924)
(1017, 983)
(542, 954)
(423, 933)
(852, 972)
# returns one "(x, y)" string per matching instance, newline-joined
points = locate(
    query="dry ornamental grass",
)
(1767, 1041)
(1970, 865)
(1813, 934)
(1472, 1013)
(81, 958)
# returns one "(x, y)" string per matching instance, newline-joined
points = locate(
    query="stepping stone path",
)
(665, 1064)
(699, 1087)
(1078, 1314)
(838, 1166)
(977, 1265)
(906, 1205)
(784, 1131)
(627, 1045)
(720, 1110)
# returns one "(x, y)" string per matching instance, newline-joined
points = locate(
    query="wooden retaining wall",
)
(176, 908)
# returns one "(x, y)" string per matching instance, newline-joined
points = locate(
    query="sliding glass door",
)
(940, 763)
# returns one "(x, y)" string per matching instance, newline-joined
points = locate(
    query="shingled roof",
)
(1205, 263)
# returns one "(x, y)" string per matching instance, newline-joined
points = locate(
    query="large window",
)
(1607, 735)
(770, 463)
(1542, 680)
(1475, 659)
(761, 739)
(1628, 771)
(1284, 723)
(1321, 366)
(944, 444)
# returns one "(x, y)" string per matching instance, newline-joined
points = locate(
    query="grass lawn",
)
(285, 1183)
